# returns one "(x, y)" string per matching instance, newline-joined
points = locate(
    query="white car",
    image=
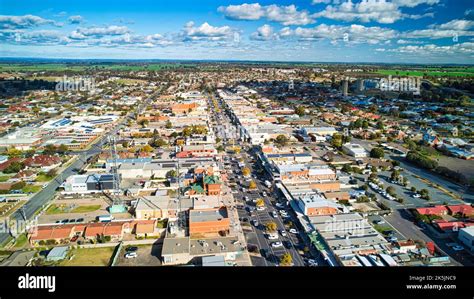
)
(283, 233)
(274, 214)
(255, 223)
(282, 212)
(264, 194)
(279, 205)
(272, 237)
(260, 208)
(131, 255)
(416, 195)
(277, 244)
(293, 231)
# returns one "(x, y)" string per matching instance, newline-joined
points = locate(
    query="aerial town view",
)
(310, 133)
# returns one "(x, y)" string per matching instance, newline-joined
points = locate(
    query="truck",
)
(105, 218)
(267, 183)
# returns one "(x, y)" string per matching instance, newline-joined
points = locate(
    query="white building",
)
(354, 150)
(466, 236)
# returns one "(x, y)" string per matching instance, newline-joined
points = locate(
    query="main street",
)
(291, 243)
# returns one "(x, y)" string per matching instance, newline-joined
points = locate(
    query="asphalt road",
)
(257, 237)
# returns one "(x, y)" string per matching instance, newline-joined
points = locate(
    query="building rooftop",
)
(205, 215)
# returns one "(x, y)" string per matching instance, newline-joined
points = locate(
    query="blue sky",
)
(387, 31)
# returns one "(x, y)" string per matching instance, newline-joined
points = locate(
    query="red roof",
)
(8, 162)
(106, 229)
(436, 210)
(42, 160)
(51, 232)
(461, 209)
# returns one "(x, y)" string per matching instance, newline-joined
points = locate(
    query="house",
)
(462, 210)
(114, 230)
(404, 246)
(436, 210)
(44, 162)
(26, 175)
(145, 228)
(209, 221)
(54, 233)
(156, 207)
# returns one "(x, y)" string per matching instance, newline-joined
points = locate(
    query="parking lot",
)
(147, 255)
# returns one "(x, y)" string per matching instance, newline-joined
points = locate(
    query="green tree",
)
(300, 110)
(281, 140)
(377, 153)
(169, 125)
(336, 140)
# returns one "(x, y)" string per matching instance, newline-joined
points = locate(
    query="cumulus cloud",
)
(286, 15)
(24, 22)
(75, 19)
(353, 33)
(456, 27)
(264, 33)
(380, 11)
(433, 50)
(83, 33)
(206, 32)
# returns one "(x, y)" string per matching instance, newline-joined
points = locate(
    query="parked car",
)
(131, 249)
(274, 214)
(80, 220)
(293, 231)
(277, 244)
(131, 255)
(255, 223)
(458, 248)
(283, 233)
(261, 208)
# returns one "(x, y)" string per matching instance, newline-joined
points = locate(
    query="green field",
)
(31, 188)
(55, 209)
(61, 67)
(90, 257)
(434, 72)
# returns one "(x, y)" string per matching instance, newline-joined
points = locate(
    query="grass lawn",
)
(31, 188)
(41, 178)
(55, 209)
(86, 209)
(20, 241)
(4, 178)
(90, 257)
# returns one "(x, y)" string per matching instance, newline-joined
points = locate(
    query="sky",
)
(375, 31)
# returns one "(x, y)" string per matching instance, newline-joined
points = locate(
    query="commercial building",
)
(466, 236)
(209, 221)
(354, 150)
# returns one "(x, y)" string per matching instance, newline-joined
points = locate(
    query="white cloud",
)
(206, 32)
(23, 22)
(75, 19)
(413, 3)
(264, 33)
(435, 50)
(380, 11)
(82, 33)
(352, 34)
(453, 28)
(286, 15)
